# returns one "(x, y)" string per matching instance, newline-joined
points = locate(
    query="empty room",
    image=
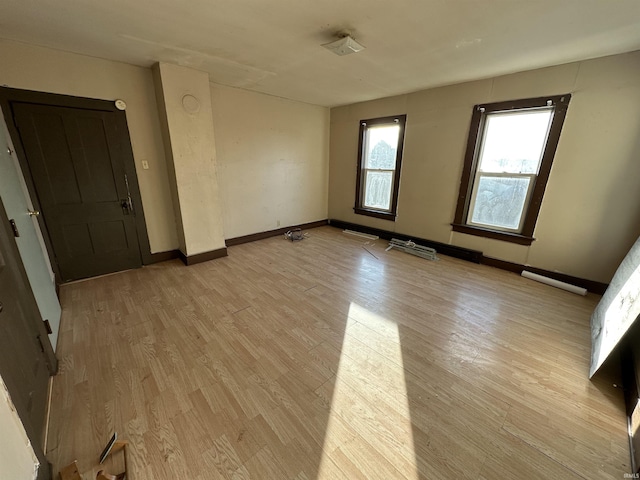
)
(317, 241)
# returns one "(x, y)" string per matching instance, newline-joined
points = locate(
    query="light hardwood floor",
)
(331, 358)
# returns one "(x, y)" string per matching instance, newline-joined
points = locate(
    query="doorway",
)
(77, 157)
(18, 207)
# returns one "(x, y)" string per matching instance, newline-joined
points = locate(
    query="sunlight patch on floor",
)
(369, 427)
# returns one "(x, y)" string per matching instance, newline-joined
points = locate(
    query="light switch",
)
(145, 164)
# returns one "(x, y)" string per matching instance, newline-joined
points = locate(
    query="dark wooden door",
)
(76, 160)
(24, 366)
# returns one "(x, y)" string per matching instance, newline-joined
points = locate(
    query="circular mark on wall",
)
(190, 103)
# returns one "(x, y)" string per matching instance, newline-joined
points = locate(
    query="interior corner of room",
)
(216, 153)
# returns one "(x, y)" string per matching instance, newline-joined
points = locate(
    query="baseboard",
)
(45, 470)
(206, 256)
(160, 257)
(474, 256)
(590, 285)
(272, 233)
(202, 257)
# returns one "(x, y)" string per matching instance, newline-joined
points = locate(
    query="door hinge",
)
(47, 325)
(14, 227)
(40, 342)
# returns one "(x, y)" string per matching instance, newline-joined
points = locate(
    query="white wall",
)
(590, 214)
(47, 70)
(272, 160)
(186, 108)
(17, 459)
(272, 153)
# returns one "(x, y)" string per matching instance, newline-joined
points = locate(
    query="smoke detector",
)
(344, 45)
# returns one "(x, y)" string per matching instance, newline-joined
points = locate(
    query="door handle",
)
(33, 213)
(127, 205)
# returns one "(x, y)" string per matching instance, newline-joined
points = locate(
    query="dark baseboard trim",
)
(502, 264)
(160, 257)
(474, 256)
(202, 257)
(590, 285)
(45, 470)
(272, 233)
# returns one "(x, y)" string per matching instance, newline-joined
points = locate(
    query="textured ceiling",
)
(273, 46)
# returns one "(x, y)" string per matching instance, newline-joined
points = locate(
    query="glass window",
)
(381, 141)
(509, 154)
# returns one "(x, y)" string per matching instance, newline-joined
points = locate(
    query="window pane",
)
(377, 192)
(514, 142)
(499, 201)
(381, 146)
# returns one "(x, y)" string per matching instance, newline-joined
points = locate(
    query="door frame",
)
(9, 95)
(630, 369)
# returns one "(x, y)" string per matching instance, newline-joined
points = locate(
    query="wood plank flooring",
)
(332, 359)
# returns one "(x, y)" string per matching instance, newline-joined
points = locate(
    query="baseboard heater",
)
(462, 253)
(554, 283)
(360, 234)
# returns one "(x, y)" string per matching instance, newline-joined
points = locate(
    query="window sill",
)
(495, 234)
(375, 213)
